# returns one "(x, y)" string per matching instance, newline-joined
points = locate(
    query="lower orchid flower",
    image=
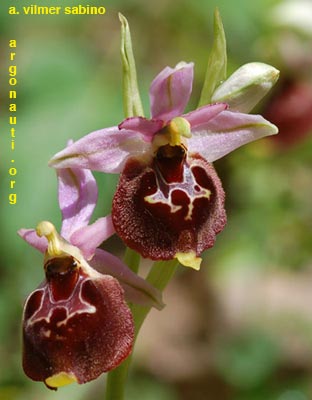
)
(76, 324)
(169, 202)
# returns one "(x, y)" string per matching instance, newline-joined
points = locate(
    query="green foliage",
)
(247, 360)
(69, 75)
(131, 95)
(147, 388)
(217, 62)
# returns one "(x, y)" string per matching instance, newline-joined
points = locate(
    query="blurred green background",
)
(241, 328)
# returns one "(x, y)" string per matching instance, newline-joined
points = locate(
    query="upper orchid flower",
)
(169, 202)
(76, 324)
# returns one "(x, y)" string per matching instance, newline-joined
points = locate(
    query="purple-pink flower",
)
(169, 202)
(76, 324)
(77, 194)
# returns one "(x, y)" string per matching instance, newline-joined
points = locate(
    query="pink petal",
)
(137, 290)
(226, 132)
(77, 193)
(105, 150)
(148, 127)
(204, 114)
(30, 236)
(170, 91)
(88, 238)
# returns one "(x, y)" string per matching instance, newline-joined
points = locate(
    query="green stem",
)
(132, 259)
(159, 276)
(162, 271)
(115, 383)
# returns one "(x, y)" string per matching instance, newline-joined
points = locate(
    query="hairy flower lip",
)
(214, 132)
(79, 336)
(161, 236)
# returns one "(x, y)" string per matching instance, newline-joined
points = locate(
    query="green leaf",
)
(217, 62)
(131, 96)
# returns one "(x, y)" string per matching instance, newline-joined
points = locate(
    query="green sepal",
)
(131, 96)
(217, 62)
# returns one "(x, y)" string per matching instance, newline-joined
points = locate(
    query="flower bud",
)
(246, 86)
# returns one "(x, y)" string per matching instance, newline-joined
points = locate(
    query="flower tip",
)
(57, 161)
(60, 160)
(60, 379)
(267, 74)
(217, 16)
(70, 142)
(52, 162)
(270, 129)
(189, 260)
(122, 18)
(275, 73)
(45, 228)
(21, 232)
(274, 129)
(184, 64)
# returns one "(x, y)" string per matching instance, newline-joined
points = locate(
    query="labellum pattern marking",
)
(166, 191)
(172, 205)
(48, 306)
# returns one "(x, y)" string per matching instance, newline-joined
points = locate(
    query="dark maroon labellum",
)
(174, 205)
(169, 160)
(62, 274)
(75, 324)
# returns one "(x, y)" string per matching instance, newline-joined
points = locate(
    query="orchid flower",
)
(77, 324)
(169, 202)
(77, 193)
